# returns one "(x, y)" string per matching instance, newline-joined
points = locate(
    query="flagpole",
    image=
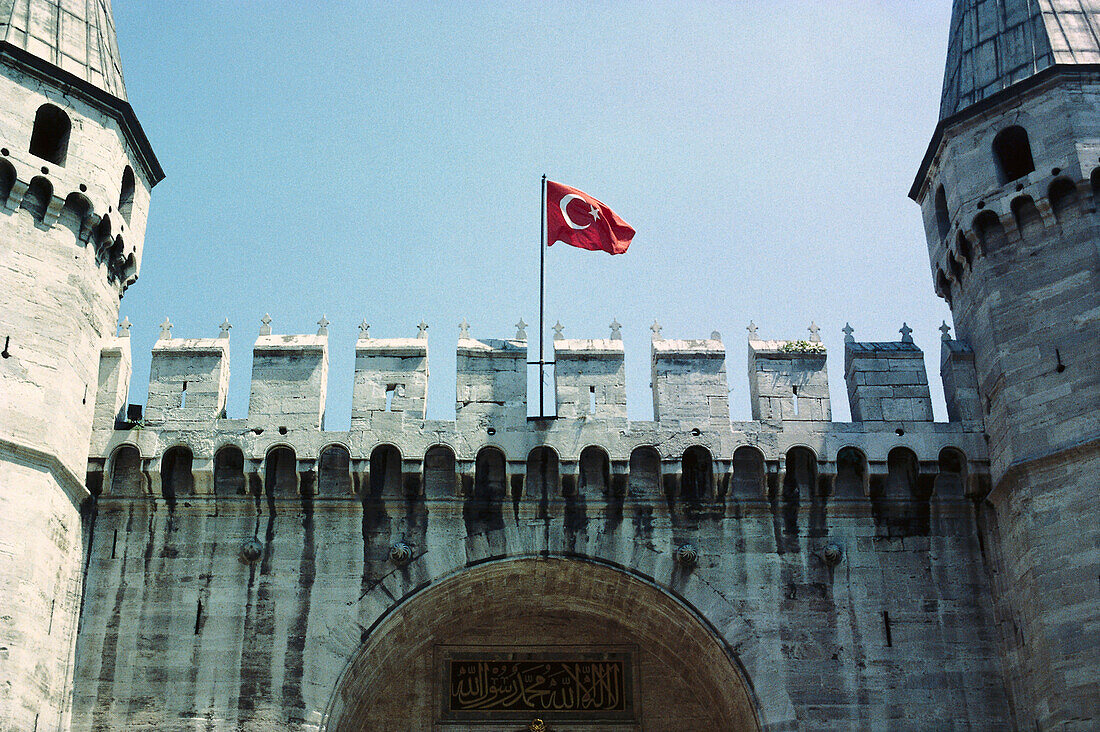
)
(542, 295)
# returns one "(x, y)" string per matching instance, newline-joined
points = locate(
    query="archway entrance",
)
(580, 645)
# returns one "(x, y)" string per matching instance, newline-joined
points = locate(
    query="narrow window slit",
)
(886, 625)
(198, 615)
(183, 395)
(591, 400)
(1061, 366)
(114, 544)
(390, 390)
(794, 399)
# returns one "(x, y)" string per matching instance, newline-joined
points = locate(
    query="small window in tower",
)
(1013, 153)
(183, 395)
(50, 137)
(391, 389)
(943, 219)
(126, 197)
(591, 400)
(794, 399)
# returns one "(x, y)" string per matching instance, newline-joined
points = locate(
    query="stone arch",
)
(491, 474)
(800, 475)
(686, 674)
(176, 478)
(595, 472)
(696, 474)
(902, 471)
(334, 471)
(851, 473)
(1012, 151)
(75, 213)
(125, 471)
(544, 473)
(50, 136)
(126, 194)
(385, 471)
(281, 472)
(943, 218)
(749, 473)
(951, 478)
(991, 234)
(962, 247)
(1029, 221)
(644, 478)
(440, 476)
(37, 197)
(7, 180)
(1064, 200)
(229, 471)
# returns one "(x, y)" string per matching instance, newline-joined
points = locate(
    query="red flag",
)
(578, 219)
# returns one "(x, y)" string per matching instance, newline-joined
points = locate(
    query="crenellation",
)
(289, 381)
(788, 381)
(590, 379)
(188, 380)
(689, 381)
(391, 375)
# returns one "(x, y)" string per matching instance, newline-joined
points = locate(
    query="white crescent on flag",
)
(565, 214)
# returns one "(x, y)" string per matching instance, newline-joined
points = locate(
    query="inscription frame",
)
(557, 657)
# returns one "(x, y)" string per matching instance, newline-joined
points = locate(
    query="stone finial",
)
(463, 329)
(224, 327)
(945, 330)
(265, 324)
(848, 330)
(656, 328)
(616, 330)
(521, 330)
(715, 336)
(422, 330)
(558, 328)
(124, 328)
(165, 329)
(322, 326)
(751, 328)
(364, 330)
(906, 333)
(815, 336)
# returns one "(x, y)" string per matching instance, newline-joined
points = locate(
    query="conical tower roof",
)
(996, 43)
(75, 35)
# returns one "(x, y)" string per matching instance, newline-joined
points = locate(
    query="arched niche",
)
(749, 473)
(801, 474)
(902, 470)
(644, 480)
(543, 473)
(281, 473)
(440, 477)
(1012, 150)
(683, 676)
(334, 471)
(851, 474)
(595, 472)
(50, 135)
(125, 467)
(490, 475)
(696, 474)
(176, 479)
(385, 472)
(951, 477)
(229, 471)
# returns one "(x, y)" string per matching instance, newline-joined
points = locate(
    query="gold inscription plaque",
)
(508, 685)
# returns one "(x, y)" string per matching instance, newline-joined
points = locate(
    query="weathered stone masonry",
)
(839, 561)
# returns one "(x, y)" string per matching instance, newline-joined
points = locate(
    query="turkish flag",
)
(578, 219)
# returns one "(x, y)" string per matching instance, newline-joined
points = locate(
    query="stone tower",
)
(75, 175)
(1009, 190)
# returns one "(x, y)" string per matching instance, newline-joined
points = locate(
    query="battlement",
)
(590, 442)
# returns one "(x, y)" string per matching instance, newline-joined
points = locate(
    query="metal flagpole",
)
(542, 295)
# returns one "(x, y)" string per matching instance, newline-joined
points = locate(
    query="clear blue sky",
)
(382, 161)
